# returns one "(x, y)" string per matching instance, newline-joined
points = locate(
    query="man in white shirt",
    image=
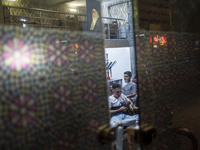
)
(118, 105)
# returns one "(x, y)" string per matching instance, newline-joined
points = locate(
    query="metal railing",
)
(115, 28)
(33, 17)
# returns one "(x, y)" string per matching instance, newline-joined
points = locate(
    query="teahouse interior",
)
(118, 33)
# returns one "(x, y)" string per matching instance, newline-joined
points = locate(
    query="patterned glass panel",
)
(168, 70)
(52, 83)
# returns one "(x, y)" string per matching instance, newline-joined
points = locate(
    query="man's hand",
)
(119, 123)
(131, 107)
(123, 108)
(135, 108)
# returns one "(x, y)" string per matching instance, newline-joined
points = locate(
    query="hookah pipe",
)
(110, 67)
(108, 75)
(107, 67)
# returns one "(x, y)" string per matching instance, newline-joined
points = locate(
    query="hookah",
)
(107, 67)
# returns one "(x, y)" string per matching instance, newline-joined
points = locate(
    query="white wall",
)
(122, 56)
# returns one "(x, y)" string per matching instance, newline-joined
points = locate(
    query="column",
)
(1, 13)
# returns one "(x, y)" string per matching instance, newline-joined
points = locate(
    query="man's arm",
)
(121, 109)
(129, 102)
(131, 95)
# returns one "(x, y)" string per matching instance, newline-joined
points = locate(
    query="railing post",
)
(10, 16)
(108, 30)
(40, 19)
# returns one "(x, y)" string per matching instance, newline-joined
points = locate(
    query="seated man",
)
(118, 105)
(130, 89)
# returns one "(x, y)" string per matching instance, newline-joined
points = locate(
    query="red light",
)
(155, 39)
(163, 40)
(76, 45)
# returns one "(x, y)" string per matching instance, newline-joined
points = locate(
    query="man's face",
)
(117, 92)
(127, 78)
